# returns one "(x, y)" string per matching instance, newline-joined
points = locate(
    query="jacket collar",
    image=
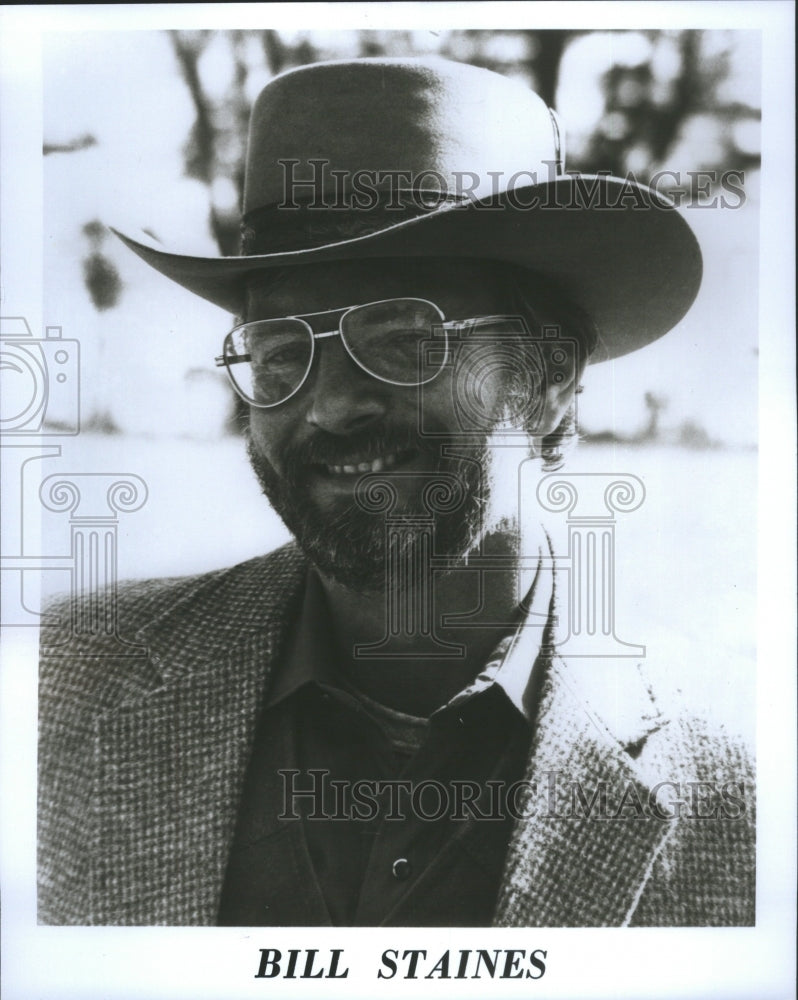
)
(243, 609)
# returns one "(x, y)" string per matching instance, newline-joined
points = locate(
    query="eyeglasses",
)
(269, 360)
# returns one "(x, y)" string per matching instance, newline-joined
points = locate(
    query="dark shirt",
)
(353, 814)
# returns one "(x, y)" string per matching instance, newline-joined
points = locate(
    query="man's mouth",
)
(359, 466)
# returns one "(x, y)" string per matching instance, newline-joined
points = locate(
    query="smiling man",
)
(373, 725)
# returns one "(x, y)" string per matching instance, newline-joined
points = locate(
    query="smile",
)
(378, 464)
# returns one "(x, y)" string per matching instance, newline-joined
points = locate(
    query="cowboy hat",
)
(442, 159)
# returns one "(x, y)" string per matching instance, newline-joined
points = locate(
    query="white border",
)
(216, 963)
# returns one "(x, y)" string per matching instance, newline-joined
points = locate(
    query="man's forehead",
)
(450, 283)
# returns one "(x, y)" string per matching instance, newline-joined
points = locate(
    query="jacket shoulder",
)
(93, 643)
(695, 775)
(137, 603)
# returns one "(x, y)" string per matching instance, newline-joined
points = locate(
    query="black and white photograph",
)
(398, 532)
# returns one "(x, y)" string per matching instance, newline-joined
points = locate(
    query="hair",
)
(537, 299)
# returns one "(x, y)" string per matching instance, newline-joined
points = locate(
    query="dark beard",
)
(361, 544)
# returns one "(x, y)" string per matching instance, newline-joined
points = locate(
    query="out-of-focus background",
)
(147, 130)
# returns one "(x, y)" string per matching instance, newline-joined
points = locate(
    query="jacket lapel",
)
(583, 852)
(172, 756)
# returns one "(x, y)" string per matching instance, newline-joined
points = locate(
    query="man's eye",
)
(403, 340)
(281, 356)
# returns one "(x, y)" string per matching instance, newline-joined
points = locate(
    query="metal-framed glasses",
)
(269, 360)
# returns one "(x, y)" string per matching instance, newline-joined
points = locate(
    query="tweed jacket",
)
(144, 744)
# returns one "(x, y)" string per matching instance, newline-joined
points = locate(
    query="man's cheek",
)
(263, 437)
(437, 410)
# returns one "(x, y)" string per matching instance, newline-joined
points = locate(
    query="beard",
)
(371, 542)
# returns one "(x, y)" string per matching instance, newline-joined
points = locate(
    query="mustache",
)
(324, 448)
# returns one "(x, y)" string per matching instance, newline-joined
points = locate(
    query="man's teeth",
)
(375, 465)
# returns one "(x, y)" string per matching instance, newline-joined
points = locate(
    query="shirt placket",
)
(414, 858)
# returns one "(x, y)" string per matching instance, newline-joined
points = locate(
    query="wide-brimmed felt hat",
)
(443, 159)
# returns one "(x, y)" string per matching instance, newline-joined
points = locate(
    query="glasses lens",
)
(269, 359)
(391, 339)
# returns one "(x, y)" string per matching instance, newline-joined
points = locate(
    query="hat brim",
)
(620, 249)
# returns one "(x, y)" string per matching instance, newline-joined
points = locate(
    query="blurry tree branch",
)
(649, 111)
(198, 150)
(550, 46)
(75, 145)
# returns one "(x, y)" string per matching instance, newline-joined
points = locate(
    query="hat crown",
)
(326, 131)
(440, 127)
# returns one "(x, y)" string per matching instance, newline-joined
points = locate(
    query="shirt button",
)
(401, 869)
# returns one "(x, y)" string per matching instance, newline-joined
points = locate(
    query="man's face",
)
(310, 452)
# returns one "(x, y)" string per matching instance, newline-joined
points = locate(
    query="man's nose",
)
(343, 397)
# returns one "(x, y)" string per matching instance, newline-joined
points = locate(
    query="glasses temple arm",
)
(222, 362)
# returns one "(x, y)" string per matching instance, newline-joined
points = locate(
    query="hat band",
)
(280, 228)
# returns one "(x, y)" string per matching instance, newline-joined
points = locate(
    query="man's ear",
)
(559, 396)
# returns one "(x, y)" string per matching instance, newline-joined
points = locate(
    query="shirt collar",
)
(307, 655)
(512, 665)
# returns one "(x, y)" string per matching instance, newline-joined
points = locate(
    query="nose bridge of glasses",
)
(326, 323)
(329, 356)
(341, 391)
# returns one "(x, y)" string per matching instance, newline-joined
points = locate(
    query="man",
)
(374, 725)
